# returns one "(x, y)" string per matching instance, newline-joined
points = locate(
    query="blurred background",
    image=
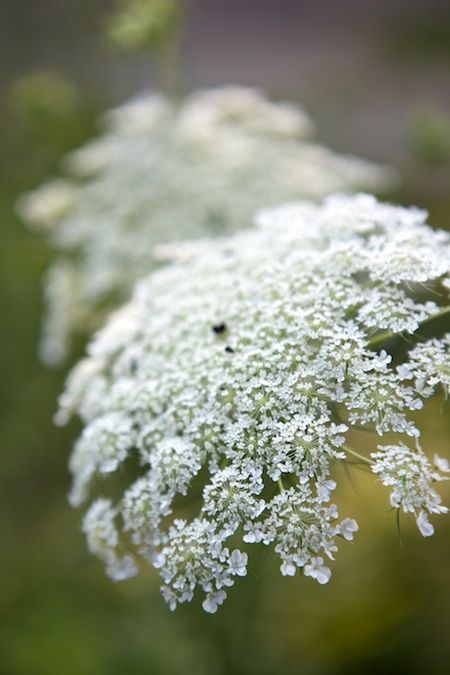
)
(375, 76)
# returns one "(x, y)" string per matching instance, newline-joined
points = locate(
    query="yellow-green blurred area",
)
(376, 77)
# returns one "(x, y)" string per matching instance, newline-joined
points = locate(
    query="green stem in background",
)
(152, 26)
(398, 528)
(386, 335)
(168, 63)
(360, 458)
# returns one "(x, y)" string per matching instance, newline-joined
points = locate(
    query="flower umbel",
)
(235, 377)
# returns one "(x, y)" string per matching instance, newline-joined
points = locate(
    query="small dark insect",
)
(133, 366)
(219, 328)
(229, 349)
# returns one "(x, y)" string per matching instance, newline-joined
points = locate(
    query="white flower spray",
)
(164, 171)
(235, 376)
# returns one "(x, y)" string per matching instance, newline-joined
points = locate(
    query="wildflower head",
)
(235, 377)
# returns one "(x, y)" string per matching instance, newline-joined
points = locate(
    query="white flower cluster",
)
(429, 366)
(411, 477)
(162, 172)
(233, 379)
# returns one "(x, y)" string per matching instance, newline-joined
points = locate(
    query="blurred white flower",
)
(425, 527)
(163, 172)
(47, 205)
(441, 463)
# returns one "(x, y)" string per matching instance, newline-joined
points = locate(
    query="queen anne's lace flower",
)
(235, 377)
(162, 172)
(410, 475)
(103, 540)
(429, 365)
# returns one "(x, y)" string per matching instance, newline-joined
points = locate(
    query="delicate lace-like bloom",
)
(162, 172)
(411, 477)
(234, 378)
(429, 365)
(103, 540)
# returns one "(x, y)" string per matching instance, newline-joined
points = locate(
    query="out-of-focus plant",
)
(165, 171)
(220, 400)
(144, 24)
(49, 111)
(430, 136)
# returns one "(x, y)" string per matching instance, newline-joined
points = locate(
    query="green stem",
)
(386, 335)
(356, 455)
(168, 63)
(169, 59)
